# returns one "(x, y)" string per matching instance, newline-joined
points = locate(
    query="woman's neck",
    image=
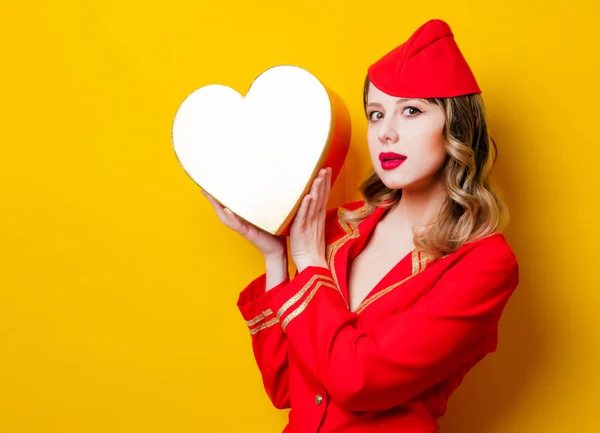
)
(418, 206)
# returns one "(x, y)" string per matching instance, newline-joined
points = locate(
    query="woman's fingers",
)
(323, 194)
(311, 211)
(232, 220)
(226, 216)
(303, 211)
(327, 190)
(318, 194)
(213, 202)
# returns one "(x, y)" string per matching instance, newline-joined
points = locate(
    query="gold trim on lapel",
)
(351, 230)
(419, 262)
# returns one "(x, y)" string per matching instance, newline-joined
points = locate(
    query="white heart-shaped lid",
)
(256, 154)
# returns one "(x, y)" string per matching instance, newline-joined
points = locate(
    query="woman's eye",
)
(414, 111)
(378, 114)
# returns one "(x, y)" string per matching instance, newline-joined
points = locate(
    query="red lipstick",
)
(391, 160)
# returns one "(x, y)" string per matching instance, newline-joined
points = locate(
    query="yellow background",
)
(118, 285)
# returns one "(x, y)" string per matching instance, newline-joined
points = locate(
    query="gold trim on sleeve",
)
(301, 293)
(305, 303)
(265, 325)
(262, 316)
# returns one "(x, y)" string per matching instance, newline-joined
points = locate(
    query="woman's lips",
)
(391, 160)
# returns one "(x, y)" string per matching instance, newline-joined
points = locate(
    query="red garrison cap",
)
(428, 65)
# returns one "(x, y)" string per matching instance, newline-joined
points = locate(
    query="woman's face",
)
(411, 129)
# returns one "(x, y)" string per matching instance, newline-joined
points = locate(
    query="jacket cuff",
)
(254, 303)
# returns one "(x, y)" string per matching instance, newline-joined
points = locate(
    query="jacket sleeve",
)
(401, 355)
(269, 342)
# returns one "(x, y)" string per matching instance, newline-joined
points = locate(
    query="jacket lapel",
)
(348, 247)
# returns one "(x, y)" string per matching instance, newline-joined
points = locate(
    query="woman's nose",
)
(388, 134)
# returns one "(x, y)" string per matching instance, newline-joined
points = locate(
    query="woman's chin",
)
(393, 180)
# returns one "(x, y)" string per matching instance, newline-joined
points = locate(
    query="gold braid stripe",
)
(304, 304)
(351, 230)
(262, 316)
(415, 263)
(265, 325)
(300, 293)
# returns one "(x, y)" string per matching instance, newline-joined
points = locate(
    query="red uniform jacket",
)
(390, 365)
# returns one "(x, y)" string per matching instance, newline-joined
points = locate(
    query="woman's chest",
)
(369, 269)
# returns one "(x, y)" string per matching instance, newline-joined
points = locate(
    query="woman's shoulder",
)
(493, 247)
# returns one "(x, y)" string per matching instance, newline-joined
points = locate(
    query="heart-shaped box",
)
(258, 154)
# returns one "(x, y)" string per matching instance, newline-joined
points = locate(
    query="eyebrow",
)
(399, 101)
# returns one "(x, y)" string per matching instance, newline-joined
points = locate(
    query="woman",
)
(399, 295)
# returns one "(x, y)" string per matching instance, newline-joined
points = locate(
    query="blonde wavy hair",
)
(473, 208)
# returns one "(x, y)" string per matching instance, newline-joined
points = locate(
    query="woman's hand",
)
(307, 233)
(269, 245)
